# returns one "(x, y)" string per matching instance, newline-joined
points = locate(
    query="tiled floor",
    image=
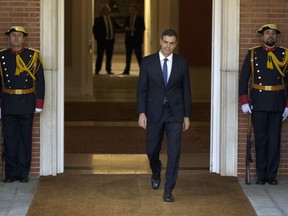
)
(268, 200)
(15, 198)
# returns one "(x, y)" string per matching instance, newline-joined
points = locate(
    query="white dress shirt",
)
(169, 63)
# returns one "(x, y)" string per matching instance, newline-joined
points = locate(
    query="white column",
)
(224, 101)
(52, 117)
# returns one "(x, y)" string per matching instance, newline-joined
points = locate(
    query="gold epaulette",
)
(39, 56)
(283, 47)
(35, 50)
(2, 50)
(254, 47)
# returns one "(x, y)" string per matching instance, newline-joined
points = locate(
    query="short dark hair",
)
(169, 32)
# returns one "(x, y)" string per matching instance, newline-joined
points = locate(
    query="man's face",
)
(167, 44)
(133, 10)
(16, 39)
(105, 11)
(269, 37)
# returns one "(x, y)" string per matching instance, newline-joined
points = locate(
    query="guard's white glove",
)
(38, 110)
(285, 114)
(246, 108)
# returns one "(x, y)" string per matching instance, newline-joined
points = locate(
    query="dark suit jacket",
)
(151, 88)
(99, 28)
(139, 28)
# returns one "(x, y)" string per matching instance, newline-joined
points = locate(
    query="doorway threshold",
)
(129, 163)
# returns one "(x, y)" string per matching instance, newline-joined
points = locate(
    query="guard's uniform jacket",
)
(22, 90)
(22, 81)
(275, 96)
(267, 69)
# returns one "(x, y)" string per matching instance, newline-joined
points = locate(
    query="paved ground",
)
(267, 200)
(15, 198)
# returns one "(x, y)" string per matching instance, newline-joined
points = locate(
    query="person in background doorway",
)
(22, 95)
(164, 106)
(104, 33)
(134, 27)
(266, 66)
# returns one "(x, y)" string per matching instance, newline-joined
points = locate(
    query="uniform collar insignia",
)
(16, 52)
(269, 49)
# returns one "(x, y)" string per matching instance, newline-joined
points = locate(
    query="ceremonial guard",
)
(266, 66)
(22, 95)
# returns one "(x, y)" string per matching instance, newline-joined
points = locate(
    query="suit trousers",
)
(133, 43)
(108, 47)
(267, 133)
(17, 133)
(155, 133)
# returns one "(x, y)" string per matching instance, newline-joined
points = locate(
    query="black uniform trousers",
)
(108, 47)
(267, 132)
(17, 132)
(155, 133)
(133, 43)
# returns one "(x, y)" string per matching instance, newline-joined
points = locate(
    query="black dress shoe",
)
(10, 179)
(272, 181)
(260, 181)
(168, 197)
(109, 72)
(24, 180)
(125, 73)
(155, 180)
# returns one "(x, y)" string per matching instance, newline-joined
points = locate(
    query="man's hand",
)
(285, 114)
(246, 108)
(142, 120)
(186, 123)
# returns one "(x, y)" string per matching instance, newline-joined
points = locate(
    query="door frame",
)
(224, 85)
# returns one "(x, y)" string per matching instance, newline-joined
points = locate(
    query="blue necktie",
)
(165, 75)
(165, 71)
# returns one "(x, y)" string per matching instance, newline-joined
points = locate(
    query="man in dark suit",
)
(268, 103)
(134, 26)
(22, 94)
(164, 105)
(104, 33)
